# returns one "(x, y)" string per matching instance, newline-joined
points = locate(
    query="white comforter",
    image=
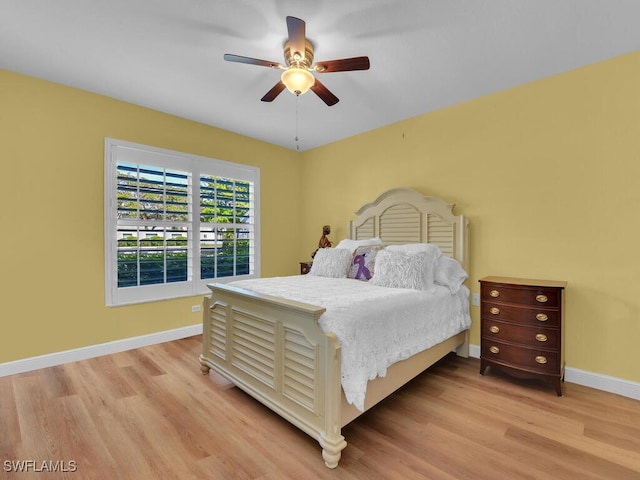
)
(376, 326)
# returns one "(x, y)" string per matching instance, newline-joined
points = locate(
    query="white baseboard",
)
(615, 385)
(474, 351)
(58, 358)
(598, 381)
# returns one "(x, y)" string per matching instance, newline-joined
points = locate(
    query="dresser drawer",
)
(536, 337)
(538, 296)
(517, 356)
(521, 315)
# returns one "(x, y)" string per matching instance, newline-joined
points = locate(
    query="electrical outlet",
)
(195, 308)
(475, 299)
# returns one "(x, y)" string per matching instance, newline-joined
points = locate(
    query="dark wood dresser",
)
(522, 327)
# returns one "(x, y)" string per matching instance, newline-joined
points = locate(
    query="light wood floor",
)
(150, 414)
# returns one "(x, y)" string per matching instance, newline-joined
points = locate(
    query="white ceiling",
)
(425, 54)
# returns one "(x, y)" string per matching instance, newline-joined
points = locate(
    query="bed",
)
(278, 349)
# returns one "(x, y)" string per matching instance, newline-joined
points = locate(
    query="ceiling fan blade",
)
(297, 36)
(343, 65)
(274, 92)
(251, 61)
(324, 93)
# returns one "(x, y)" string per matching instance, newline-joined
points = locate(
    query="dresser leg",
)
(558, 385)
(483, 366)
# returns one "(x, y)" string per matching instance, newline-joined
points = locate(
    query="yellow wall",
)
(51, 245)
(548, 174)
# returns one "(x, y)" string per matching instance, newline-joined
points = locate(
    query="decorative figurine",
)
(324, 240)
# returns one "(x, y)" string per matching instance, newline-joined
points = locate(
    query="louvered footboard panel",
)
(300, 365)
(217, 330)
(287, 360)
(253, 347)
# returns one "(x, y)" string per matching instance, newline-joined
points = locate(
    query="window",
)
(175, 222)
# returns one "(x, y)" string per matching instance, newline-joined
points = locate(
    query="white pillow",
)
(400, 269)
(351, 245)
(331, 262)
(432, 251)
(449, 273)
(430, 248)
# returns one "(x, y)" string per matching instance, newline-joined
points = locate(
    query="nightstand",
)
(522, 326)
(305, 267)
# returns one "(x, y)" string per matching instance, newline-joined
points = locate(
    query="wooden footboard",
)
(274, 350)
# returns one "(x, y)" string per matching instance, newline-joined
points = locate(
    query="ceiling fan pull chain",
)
(297, 122)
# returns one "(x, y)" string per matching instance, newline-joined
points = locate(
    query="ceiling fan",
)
(297, 76)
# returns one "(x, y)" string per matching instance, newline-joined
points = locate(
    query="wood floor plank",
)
(78, 438)
(589, 461)
(150, 414)
(10, 433)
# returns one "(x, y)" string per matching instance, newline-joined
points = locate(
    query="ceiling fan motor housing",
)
(292, 60)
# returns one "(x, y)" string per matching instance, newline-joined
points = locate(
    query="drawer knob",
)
(494, 329)
(542, 317)
(542, 298)
(494, 293)
(494, 349)
(541, 337)
(541, 359)
(494, 310)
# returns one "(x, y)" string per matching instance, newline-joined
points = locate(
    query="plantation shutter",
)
(175, 222)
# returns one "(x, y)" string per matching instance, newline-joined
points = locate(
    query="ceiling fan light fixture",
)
(297, 80)
(298, 76)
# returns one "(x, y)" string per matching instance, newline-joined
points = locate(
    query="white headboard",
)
(402, 215)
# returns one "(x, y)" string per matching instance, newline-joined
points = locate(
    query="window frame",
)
(123, 151)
